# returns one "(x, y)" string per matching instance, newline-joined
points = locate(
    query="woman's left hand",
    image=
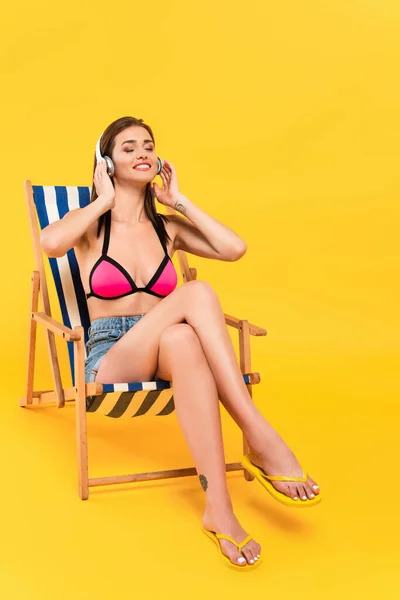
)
(169, 193)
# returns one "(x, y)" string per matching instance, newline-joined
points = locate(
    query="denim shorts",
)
(103, 334)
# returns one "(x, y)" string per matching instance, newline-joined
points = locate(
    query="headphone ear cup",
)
(160, 165)
(110, 165)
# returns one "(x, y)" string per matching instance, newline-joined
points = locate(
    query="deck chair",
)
(47, 204)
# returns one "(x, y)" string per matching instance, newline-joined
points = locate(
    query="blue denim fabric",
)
(103, 334)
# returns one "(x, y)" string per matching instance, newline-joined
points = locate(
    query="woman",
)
(143, 328)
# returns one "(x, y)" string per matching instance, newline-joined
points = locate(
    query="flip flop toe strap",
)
(277, 477)
(230, 539)
(285, 478)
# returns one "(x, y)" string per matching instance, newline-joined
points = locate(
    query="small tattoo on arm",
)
(180, 207)
(204, 482)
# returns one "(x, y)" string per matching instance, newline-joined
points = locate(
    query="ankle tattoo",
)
(203, 482)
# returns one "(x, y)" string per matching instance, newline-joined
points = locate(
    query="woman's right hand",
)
(103, 183)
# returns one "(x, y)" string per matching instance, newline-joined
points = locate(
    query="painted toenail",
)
(315, 487)
(256, 558)
(295, 498)
(304, 497)
(241, 559)
(251, 561)
(312, 495)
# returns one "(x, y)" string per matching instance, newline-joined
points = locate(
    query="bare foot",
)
(225, 522)
(280, 460)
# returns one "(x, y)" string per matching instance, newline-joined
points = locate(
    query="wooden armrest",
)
(234, 322)
(56, 327)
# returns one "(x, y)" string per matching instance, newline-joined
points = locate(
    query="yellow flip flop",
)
(215, 537)
(265, 481)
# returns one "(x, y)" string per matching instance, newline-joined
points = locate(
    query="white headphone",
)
(110, 164)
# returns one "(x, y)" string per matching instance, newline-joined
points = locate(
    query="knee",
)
(180, 336)
(200, 292)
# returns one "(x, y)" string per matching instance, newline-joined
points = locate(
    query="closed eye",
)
(150, 149)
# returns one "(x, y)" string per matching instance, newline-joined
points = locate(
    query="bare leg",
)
(197, 304)
(268, 450)
(181, 359)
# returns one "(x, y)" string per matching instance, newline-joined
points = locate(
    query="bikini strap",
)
(107, 227)
(160, 238)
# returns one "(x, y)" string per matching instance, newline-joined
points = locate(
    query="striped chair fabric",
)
(119, 399)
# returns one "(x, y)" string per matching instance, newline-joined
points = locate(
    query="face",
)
(132, 146)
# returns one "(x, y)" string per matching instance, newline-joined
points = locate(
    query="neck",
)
(129, 202)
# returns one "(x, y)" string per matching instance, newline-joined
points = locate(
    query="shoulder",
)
(175, 224)
(89, 237)
(182, 229)
(171, 225)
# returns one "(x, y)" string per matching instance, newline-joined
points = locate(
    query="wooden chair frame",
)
(81, 390)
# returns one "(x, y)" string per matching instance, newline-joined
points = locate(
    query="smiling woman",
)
(145, 165)
(145, 328)
(107, 146)
(108, 279)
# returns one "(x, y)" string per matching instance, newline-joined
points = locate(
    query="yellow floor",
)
(145, 539)
(282, 121)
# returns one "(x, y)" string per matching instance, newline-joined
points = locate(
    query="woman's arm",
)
(203, 235)
(58, 237)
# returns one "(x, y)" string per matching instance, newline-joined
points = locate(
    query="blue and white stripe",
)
(134, 387)
(52, 203)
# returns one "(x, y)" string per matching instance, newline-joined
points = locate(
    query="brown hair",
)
(106, 147)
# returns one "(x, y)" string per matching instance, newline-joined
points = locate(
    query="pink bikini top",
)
(109, 280)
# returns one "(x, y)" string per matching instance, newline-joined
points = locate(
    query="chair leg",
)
(31, 340)
(245, 366)
(55, 368)
(80, 410)
(27, 400)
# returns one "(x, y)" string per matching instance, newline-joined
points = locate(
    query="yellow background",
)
(282, 120)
